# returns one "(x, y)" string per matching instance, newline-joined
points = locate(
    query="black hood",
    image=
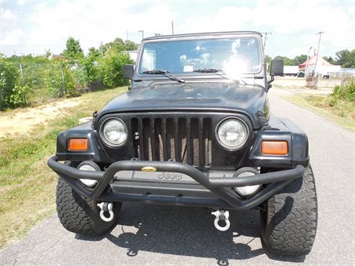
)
(250, 100)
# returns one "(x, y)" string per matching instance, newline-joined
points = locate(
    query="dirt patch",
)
(21, 121)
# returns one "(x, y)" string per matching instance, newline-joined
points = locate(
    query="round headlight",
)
(115, 132)
(232, 134)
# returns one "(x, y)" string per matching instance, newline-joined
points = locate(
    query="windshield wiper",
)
(208, 70)
(165, 73)
(217, 71)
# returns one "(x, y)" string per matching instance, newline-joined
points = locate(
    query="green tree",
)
(130, 46)
(287, 61)
(268, 59)
(94, 54)
(90, 66)
(73, 49)
(329, 59)
(345, 58)
(111, 65)
(119, 46)
(299, 59)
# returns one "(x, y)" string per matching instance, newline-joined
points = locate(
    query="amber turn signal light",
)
(78, 145)
(274, 147)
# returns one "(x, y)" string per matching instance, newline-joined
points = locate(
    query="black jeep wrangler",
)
(194, 129)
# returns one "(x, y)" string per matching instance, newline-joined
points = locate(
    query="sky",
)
(292, 27)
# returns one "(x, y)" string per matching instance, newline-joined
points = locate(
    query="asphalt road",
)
(161, 235)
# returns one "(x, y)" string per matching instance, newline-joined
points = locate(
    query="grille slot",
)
(183, 139)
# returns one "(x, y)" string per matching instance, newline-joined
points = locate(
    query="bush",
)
(69, 82)
(12, 93)
(19, 96)
(346, 92)
(111, 66)
(61, 80)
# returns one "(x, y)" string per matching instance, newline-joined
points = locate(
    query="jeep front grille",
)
(183, 139)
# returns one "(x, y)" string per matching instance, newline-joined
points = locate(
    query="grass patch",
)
(338, 110)
(27, 191)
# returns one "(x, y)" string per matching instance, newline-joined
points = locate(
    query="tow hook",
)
(106, 207)
(224, 216)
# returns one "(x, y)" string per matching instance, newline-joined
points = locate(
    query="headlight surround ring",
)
(114, 132)
(232, 133)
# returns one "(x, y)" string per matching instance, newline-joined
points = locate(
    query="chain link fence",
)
(34, 83)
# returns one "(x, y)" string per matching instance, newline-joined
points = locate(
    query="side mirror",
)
(277, 67)
(128, 71)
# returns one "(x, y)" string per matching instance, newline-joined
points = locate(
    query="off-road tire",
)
(289, 220)
(78, 215)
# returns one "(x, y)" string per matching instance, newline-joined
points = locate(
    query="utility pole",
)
(172, 27)
(320, 35)
(265, 38)
(142, 31)
(307, 63)
(315, 67)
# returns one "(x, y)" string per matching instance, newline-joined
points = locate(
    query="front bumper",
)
(214, 192)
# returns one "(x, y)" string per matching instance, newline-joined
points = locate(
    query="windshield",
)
(233, 56)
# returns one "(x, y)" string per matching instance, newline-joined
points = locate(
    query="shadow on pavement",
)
(187, 232)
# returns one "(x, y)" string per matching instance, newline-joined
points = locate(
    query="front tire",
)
(289, 221)
(78, 215)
